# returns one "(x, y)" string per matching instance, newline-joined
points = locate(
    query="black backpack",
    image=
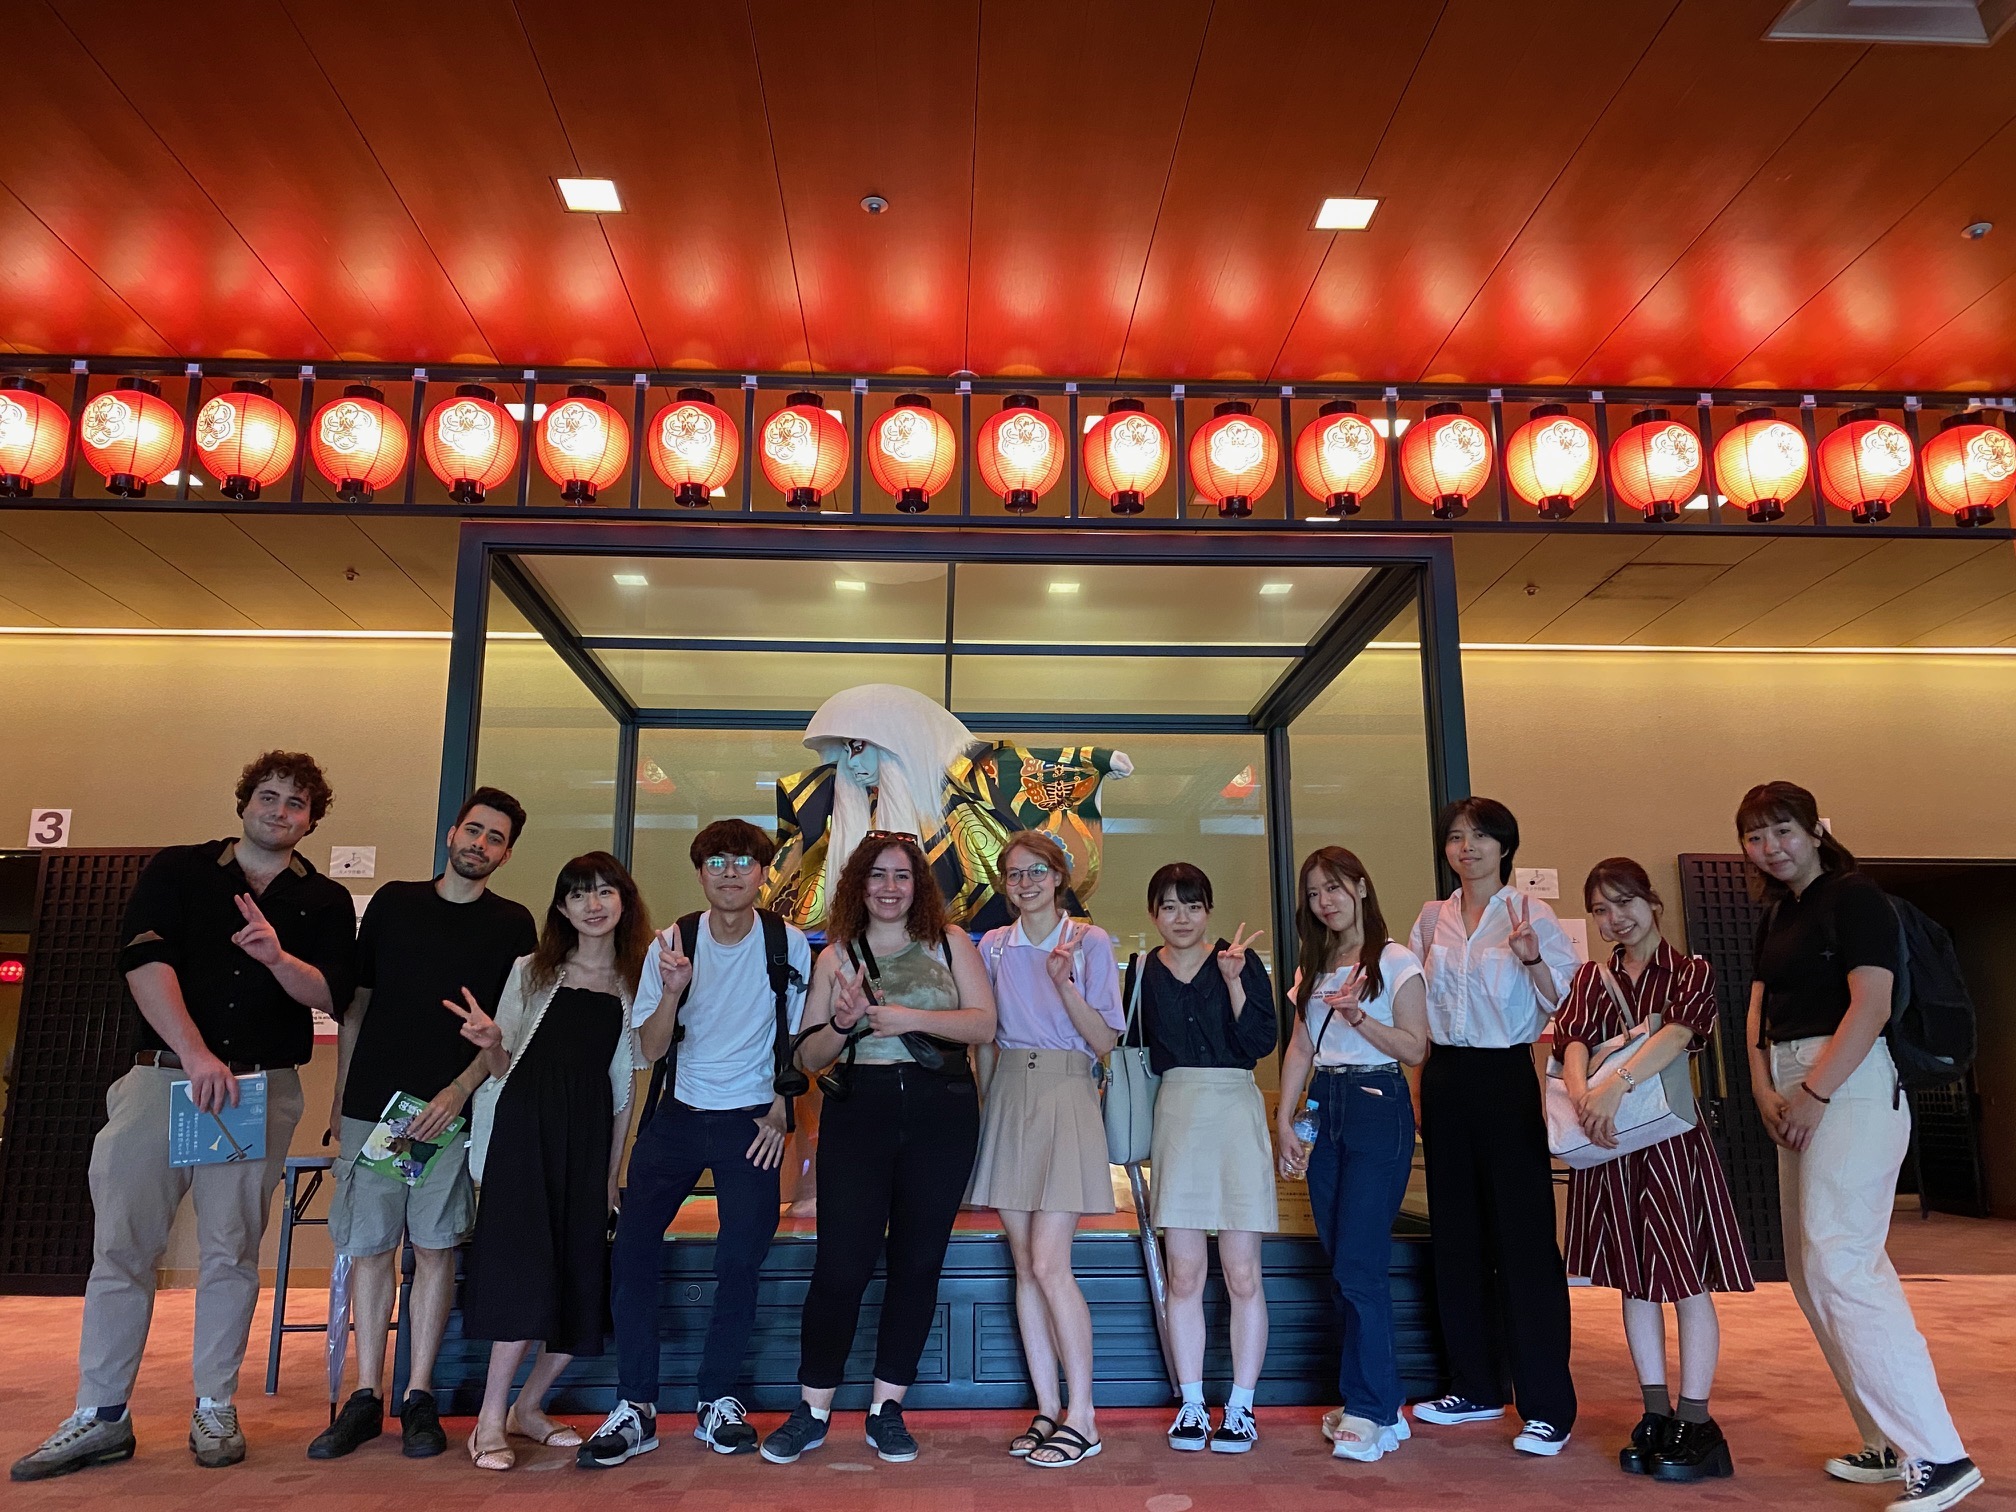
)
(1931, 1012)
(777, 956)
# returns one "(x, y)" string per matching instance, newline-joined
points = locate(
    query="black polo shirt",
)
(1807, 945)
(183, 914)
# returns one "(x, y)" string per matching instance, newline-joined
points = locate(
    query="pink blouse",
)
(1032, 1015)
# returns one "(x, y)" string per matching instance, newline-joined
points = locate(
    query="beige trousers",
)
(136, 1194)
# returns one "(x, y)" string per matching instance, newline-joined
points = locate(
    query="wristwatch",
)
(1624, 1075)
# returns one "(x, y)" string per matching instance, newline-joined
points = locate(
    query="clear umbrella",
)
(336, 1343)
(1158, 1281)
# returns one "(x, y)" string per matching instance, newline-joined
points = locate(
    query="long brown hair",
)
(847, 909)
(557, 936)
(1771, 803)
(1318, 941)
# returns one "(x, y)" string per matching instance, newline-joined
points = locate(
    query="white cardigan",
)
(519, 1015)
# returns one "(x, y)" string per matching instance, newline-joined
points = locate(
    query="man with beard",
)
(421, 944)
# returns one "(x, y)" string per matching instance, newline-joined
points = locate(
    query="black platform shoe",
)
(1636, 1457)
(1695, 1451)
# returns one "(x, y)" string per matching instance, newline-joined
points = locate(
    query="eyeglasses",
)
(714, 866)
(1036, 871)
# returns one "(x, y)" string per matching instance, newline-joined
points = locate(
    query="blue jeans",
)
(1357, 1177)
(665, 1164)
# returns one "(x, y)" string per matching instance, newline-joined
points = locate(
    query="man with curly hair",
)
(228, 948)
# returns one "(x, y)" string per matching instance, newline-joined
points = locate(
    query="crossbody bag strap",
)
(665, 1069)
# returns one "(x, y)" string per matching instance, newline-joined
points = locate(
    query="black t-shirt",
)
(414, 949)
(1806, 949)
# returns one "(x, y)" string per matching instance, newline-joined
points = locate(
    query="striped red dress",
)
(1656, 1224)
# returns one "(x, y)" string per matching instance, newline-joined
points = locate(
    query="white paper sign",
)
(1537, 881)
(48, 828)
(1577, 931)
(353, 860)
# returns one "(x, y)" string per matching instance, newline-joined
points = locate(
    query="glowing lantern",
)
(1020, 452)
(33, 433)
(693, 447)
(582, 443)
(247, 437)
(471, 443)
(1551, 461)
(1760, 464)
(1656, 465)
(1446, 460)
(1126, 456)
(1865, 465)
(804, 451)
(358, 443)
(1233, 458)
(1339, 457)
(1970, 469)
(13, 972)
(131, 436)
(911, 451)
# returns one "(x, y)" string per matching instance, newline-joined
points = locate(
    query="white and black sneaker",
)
(1448, 1410)
(888, 1436)
(724, 1427)
(1192, 1428)
(626, 1433)
(1539, 1437)
(1866, 1467)
(1237, 1432)
(800, 1433)
(1932, 1488)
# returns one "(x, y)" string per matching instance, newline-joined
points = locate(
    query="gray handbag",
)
(1130, 1087)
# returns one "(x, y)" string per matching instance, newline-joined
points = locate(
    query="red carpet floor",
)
(1774, 1398)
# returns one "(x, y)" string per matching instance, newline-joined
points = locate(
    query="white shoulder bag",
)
(1651, 1112)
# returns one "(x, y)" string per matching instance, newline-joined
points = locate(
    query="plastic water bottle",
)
(1305, 1123)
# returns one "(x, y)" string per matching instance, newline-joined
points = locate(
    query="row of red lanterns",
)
(133, 437)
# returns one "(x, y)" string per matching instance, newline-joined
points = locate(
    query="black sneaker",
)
(1192, 1428)
(892, 1441)
(420, 1435)
(723, 1426)
(1866, 1467)
(1540, 1437)
(1456, 1409)
(802, 1432)
(361, 1420)
(1692, 1452)
(1636, 1457)
(1237, 1432)
(626, 1433)
(1931, 1488)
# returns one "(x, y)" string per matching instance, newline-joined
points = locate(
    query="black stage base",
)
(974, 1356)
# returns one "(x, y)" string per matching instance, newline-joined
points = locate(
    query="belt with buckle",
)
(169, 1060)
(1384, 1068)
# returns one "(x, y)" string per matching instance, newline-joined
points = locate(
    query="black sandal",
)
(1070, 1443)
(1027, 1443)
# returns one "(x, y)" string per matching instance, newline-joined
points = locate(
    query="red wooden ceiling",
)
(1574, 190)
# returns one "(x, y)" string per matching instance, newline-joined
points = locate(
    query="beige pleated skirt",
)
(1213, 1163)
(1042, 1139)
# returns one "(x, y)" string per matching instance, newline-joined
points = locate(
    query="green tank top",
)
(914, 977)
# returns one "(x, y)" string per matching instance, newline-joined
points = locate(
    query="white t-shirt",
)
(1342, 1045)
(727, 1059)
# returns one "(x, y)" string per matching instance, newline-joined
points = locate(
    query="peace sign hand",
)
(477, 1026)
(850, 996)
(1062, 958)
(257, 939)
(675, 969)
(1524, 942)
(1344, 996)
(1232, 959)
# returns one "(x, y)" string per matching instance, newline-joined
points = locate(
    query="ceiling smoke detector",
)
(1937, 23)
(874, 204)
(1977, 230)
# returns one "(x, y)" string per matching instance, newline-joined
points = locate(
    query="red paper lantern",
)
(471, 443)
(1233, 458)
(911, 451)
(1656, 465)
(804, 451)
(582, 443)
(1970, 469)
(693, 447)
(1551, 461)
(359, 443)
(131, 436)
(1761, 463)
(1339, 457)
(1126, 456)
(1865, 465)
(1446, 459)
(13, 972)
(247, 437)
(33, 434)
(1021, 453)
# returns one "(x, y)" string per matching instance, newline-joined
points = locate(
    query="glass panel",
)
(545, 740)
(762, 679)
(1098, 685)
(1114, 605)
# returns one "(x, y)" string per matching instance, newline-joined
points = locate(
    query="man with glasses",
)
(736, 977)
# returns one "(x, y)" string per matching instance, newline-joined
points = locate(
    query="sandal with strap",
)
(559, 1436)
(1027, 1443)
(1072, 1445)
(504, 1457)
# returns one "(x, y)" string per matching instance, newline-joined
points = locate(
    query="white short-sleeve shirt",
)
(1337, 1043)
(727, 1059)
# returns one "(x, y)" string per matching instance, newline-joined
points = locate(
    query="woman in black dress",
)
(545, 1146)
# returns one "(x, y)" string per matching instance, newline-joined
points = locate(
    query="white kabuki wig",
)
(918, 740)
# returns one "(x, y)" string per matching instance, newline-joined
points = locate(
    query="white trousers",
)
(1835, 1197)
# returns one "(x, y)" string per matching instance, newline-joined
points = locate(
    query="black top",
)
(1191, 1024)
(182, 914)
(1807, 947)
(414, 949)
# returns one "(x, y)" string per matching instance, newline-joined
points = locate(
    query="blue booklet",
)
(228, 1136)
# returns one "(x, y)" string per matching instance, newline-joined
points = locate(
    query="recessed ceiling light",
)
(516, 411)
(589, 196)
(1345, 214)
(849, 585)
(1977, 230)
(1379, 425)
(837, 416)
(717, 493)
(1275, 588)
(174, 480)
(1063, 587)
(1699, 501)
(632, 580)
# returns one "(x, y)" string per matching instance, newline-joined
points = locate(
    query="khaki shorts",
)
(370, 1209)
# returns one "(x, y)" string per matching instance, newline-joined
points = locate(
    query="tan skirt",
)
(1042, 1140)
(1213, 1162)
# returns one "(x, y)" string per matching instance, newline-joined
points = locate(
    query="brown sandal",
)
(502, 1458)
(1027, 1443)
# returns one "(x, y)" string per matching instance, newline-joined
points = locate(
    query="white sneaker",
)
(1373, 1443)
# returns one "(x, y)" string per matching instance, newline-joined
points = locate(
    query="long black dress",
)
(538, 1263)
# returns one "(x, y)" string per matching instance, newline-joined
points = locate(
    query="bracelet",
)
(1823, 1101)
(1624, 1075)
(1524, 962)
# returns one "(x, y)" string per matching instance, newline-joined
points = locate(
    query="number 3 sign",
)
(48, 828)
